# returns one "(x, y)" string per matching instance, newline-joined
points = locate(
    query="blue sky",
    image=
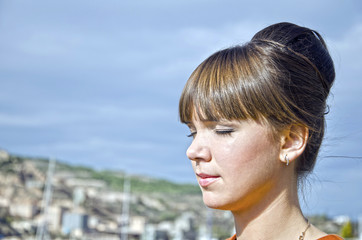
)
(97, 82)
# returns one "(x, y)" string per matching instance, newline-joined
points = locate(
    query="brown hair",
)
(283, 76)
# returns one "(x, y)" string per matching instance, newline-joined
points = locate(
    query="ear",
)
(293, 142)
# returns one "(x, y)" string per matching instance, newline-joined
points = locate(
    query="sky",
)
(97, 83)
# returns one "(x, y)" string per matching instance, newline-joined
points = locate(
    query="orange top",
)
(327, 237)
(331, 237)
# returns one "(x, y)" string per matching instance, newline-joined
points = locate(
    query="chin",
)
(215, 202)
(224, 202)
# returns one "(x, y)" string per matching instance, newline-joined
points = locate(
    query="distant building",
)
(149, 233)
(25, 210)
(162, 235)
(78, 196)
(184, 227)
(341, 219)
(74, 221)
(103, 236)
(55, 217)
(4, 155)
(137, 225)
(4, 202)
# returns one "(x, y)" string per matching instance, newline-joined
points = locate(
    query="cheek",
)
(248, 153)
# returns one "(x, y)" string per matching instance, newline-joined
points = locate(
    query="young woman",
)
(256, 115)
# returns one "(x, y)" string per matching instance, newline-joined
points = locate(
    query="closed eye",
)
(224, 131)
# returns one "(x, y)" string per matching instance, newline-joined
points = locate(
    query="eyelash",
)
(219, 132)
(191, 134)
(224, 132)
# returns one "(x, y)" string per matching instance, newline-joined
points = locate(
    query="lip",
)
(206, 179)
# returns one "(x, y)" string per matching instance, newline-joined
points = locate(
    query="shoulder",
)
(330, 237)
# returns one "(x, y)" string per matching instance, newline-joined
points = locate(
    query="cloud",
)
(81, 113)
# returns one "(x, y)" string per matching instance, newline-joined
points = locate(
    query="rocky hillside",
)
(98, 194)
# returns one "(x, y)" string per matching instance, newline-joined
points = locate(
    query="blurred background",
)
(97, 83)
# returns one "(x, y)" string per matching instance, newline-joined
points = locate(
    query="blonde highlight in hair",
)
(227, 85)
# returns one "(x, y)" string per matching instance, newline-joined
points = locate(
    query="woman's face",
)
(236, 162)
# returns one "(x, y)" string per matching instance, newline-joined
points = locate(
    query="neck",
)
(277, 216)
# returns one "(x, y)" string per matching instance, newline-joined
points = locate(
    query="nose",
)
(199, 149)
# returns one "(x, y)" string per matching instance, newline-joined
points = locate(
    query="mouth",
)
(206, 179)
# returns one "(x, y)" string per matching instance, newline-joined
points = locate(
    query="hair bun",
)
(304, 41)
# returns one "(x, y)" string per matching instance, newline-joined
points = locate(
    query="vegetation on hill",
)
(113, 179)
